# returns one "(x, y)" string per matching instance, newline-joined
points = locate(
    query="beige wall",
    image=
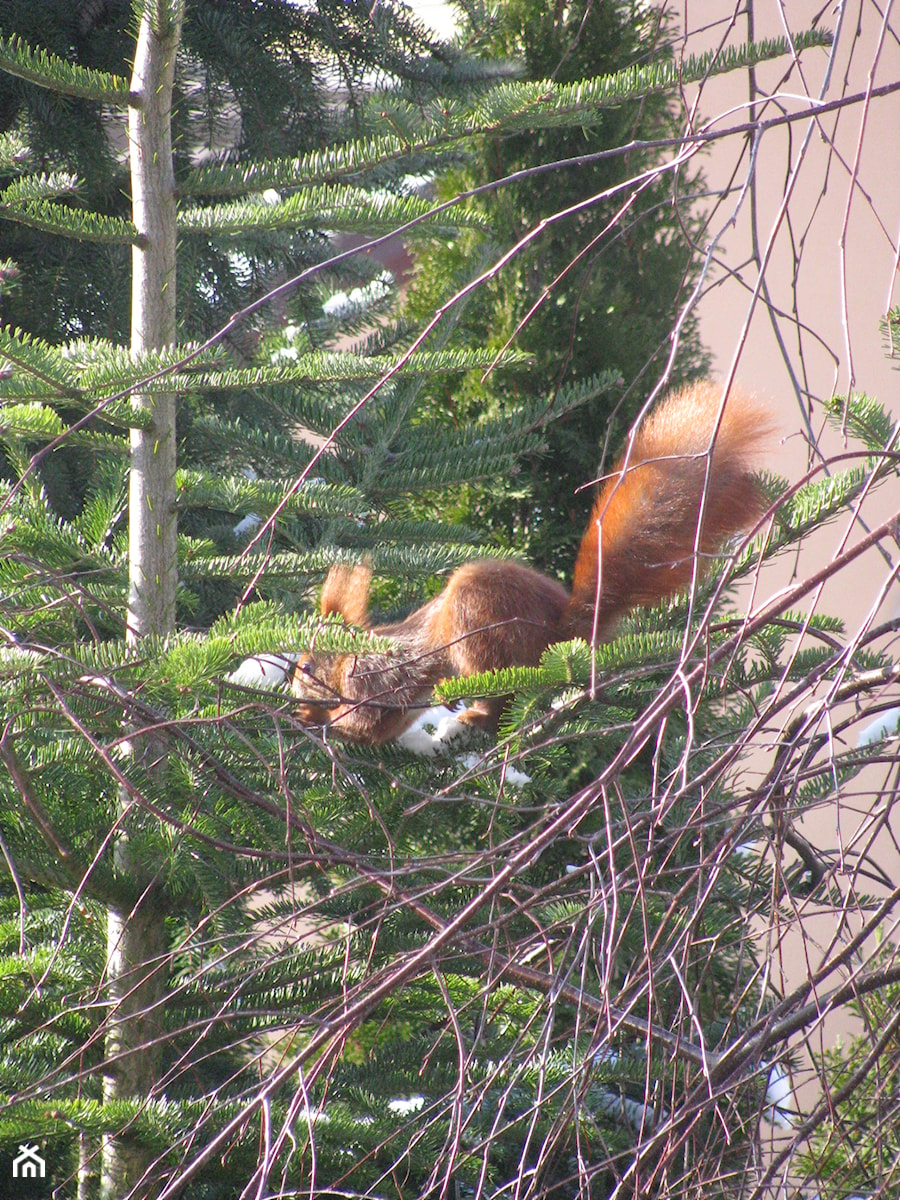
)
(833, 257)
(833, 270)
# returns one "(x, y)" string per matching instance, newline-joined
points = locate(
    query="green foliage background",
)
(598, 290)
(385, 974)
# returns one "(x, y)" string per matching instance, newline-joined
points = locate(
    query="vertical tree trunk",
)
(138, 949)
(152, 544)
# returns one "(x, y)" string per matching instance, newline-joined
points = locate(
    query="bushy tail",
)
(640, 543)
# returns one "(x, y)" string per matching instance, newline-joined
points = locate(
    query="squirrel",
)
(639, 549)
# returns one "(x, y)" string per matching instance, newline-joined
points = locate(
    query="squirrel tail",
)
(641, 540)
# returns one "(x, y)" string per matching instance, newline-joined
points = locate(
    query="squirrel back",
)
(689, 468)
(684, 486)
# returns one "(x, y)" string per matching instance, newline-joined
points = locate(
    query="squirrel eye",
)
(306, 668)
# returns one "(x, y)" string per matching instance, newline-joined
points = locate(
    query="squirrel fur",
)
(639, 549)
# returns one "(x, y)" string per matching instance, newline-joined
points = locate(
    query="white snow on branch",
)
(247, 524)
(346, 304)
(884, 726)
(781, 1102)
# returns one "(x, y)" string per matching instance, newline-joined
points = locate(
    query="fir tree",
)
(596, 292)
(371, 972)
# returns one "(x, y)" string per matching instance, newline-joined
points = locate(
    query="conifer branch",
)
(69, 79)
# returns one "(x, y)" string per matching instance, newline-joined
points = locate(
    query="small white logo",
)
(28, 1164)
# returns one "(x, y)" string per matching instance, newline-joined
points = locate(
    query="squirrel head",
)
(311, 683)
(368, 699)
(320, 681)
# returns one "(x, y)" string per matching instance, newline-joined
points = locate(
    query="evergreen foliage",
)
(384, 974)
(853, 1148)
(597, 292)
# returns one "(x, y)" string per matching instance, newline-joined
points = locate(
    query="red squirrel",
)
(638, 550)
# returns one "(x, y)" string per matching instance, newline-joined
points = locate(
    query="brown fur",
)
(346, 592)
(638, 549)
(649, 508)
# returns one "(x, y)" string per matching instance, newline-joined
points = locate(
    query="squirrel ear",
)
(346, 592)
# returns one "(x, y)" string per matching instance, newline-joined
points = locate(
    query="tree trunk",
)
(138, 965)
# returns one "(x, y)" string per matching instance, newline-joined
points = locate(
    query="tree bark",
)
(138, 966)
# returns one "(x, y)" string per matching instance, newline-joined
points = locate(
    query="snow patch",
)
(781, 1103)
(884, 726)
(247, 525)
